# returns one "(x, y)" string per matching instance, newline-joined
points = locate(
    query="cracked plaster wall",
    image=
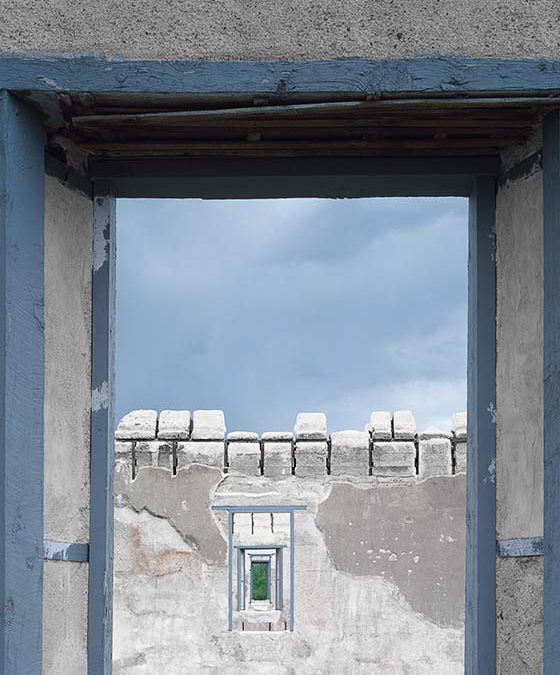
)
(378, 575)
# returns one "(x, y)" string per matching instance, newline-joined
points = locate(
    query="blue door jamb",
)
(100, 583)
(22, 198)
(480, 619)
(551, 212)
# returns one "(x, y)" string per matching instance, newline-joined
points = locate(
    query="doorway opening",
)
(341, 316)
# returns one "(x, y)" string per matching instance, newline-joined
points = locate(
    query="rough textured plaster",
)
(171, 604)
(184, 499)
(520, 616)
(65, 618)
(231, 29)
(390, 530)
(520, 359)
(68, 233)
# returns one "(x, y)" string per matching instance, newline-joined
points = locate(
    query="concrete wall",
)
(519, 466)
(68, 253)
(288, 30)
(379, 550)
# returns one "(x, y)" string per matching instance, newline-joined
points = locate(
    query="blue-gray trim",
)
(22, 202)
(230, 570)
(279, 572)
(434, 74)
(240, 575)
(260, 546)
(280, 579)
(551, 186)
(64, 551)
(100, 589)
(292, 574)
(480, 629)
(520, 548)
(293, 177)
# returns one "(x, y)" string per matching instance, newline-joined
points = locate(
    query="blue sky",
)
(266, 308)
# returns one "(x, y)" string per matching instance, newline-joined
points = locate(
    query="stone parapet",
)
(389, 447)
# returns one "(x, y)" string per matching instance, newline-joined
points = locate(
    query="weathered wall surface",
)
(519, 606)
(68, 251)
(289, 30)
(519, 461)
(520, 357)
(68, 260)
(379, 552)
(65, 618)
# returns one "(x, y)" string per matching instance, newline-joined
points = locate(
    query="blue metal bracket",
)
(64, 551)
(520, 548)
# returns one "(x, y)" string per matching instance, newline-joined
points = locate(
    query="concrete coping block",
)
(284, 436)
(433, 432)
(459, 425)
(394, 458)
(404, 425)
(123, 448)
(311, 427)
(243, 436)
(209, 425)
(380, 425)
(174, 425)
(350, 439)
(138, 425)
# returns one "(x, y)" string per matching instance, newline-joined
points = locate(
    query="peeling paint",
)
(65, 551)
(55, 550)
(49, 81)
(100, 397)
(100, 248)
(492, 471)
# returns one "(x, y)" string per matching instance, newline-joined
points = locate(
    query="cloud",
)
(265, 308)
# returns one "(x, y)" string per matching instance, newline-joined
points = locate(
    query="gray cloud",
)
(266, 308)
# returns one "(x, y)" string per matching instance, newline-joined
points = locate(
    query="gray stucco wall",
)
(519, 465)
(65, 618)
(379, 559)
(287, 30)
(520, 358)
(520, 616)
(68, 253)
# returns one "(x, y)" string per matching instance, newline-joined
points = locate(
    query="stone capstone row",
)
(388, 447)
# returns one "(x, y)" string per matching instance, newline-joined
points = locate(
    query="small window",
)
(260, 580)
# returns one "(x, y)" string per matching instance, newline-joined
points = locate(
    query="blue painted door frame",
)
(374, 178)
(480, 600)
(21, 386)
(21, 281)
(480, 603)
(100, 580)
(551, 186)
